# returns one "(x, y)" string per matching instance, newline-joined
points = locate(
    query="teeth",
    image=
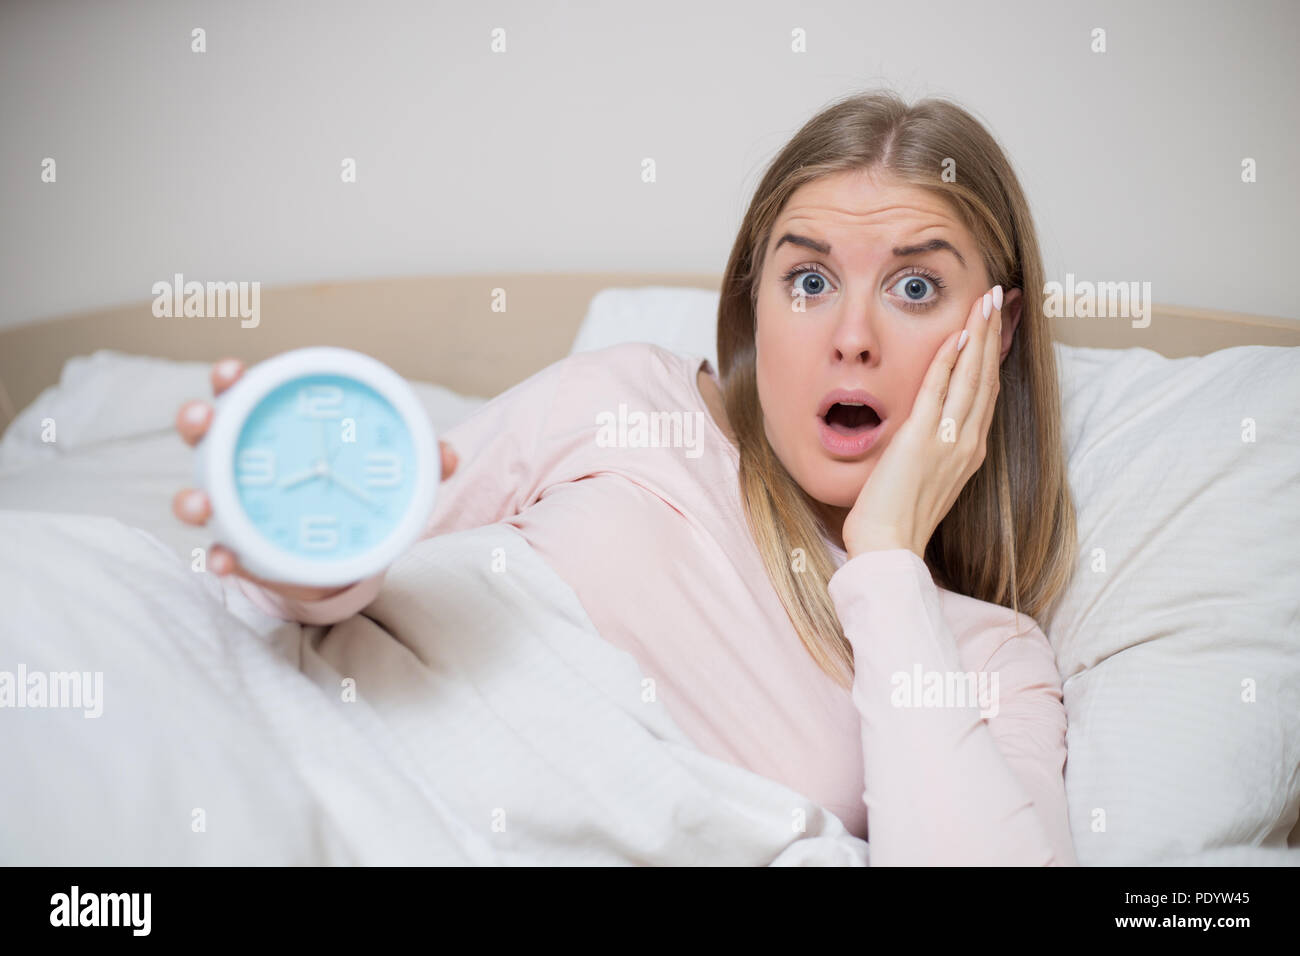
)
(852, 404)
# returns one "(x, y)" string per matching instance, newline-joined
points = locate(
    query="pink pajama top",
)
(654, 543)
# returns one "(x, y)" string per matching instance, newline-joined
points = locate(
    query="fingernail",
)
(192, 505)
(961, 342)
(997, 297)
(988, 305)
(226, 368)
(196, 414)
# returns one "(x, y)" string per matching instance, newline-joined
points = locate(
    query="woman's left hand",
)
(940, 445)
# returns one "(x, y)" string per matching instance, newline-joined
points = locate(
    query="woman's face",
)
(877, 307)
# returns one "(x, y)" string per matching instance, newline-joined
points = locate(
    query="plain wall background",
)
(225, 165)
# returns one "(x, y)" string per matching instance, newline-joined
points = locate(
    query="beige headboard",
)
(443, 329)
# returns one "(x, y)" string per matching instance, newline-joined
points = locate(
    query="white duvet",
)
(469, 716)
(492, 724)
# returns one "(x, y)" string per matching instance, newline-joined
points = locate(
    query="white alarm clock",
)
(321, 466)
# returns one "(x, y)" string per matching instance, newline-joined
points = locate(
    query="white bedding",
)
(209, 704)
(491, 723)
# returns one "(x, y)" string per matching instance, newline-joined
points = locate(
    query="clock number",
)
(320, 401)
(318, 533)
(383, 470)
(256, 467)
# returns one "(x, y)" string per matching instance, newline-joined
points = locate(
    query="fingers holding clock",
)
(225, 373)
(449, 459)
(192, 421)
(192, 506)
(194, 417)
(222, 561)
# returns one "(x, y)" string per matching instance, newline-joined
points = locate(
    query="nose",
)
(854, 339)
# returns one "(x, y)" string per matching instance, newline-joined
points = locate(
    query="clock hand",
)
(313, 472)
(351, 489)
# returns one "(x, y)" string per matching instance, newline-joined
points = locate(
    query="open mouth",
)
(851, 420)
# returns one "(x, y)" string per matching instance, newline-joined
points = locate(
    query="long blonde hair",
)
(1010, 537)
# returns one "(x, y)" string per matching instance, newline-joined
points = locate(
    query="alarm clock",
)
(320, 465)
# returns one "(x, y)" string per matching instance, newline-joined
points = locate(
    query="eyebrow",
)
(899, 251)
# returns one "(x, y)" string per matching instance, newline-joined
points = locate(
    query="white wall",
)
(225, 165)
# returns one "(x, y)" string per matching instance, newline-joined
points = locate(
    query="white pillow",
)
(1200, 592)
(1179, 636)
(681, 319)
(102, 397)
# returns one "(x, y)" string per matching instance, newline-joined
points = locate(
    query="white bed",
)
(511, 733)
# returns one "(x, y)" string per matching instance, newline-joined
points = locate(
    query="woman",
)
(811, 592)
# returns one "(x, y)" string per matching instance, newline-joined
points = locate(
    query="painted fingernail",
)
(226, 368)
(988, 305)
(961, 342)
(196, 414)
(192, 505)
(997, 297)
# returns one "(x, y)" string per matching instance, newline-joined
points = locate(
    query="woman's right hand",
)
(193, 507)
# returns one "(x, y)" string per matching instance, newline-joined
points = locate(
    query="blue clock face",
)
(324, 467)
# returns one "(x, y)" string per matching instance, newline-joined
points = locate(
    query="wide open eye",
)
(915, 289)
(910, 289)
(815, 285)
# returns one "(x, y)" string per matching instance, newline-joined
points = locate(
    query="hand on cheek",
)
(939, 447)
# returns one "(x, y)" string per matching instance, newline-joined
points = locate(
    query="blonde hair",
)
(1010, 537)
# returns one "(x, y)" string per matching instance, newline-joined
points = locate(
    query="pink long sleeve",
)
(942, 785)
(497, 475)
